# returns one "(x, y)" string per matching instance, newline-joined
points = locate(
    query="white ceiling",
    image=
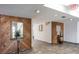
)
(22, 10)
(28, 10)
(62, 8)
(49, 14)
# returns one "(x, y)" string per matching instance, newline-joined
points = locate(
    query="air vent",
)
(63, 16)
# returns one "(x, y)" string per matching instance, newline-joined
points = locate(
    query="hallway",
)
(40, 47)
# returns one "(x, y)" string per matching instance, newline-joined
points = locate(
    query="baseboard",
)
(71, 42)
(43, 41)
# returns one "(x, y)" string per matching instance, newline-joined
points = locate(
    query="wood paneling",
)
(6, 44)
(54, 32)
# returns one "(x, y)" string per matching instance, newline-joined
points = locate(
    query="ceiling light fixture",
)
(37, 11)
(71, 19)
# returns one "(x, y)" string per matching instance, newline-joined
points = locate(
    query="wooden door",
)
(54, 31)
(25, 43)
(7, 45)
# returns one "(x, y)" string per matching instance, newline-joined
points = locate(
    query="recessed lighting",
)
(37, 11)
(71, 19)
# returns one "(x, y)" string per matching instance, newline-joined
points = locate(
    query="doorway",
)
(57, 32)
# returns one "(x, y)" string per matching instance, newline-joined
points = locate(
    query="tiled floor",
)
(40, 47)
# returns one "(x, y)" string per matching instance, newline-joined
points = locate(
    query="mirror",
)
(17, 30)
(58, 29)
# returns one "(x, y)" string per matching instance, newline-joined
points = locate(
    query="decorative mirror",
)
(40, 27)
(58, 29)
(17, 30)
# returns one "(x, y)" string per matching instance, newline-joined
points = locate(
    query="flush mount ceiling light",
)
(71, 19)
(37, 11)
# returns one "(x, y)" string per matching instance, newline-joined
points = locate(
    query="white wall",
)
(77, 32)
(44, 35)
(70, 31)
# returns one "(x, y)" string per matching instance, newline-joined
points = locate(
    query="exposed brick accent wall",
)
(6, 44)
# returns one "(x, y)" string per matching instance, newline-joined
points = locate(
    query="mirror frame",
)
(11, 30)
